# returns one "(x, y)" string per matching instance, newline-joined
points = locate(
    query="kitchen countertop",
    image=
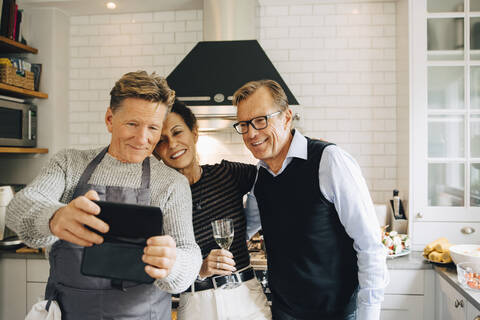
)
(413, 261)
(5, 254)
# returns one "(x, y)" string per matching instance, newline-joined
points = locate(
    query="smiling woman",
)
(177, 146)
(217, 193)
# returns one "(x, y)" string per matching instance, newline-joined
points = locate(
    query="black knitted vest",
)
(312, 266)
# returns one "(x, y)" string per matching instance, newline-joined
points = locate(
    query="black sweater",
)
(219, 194)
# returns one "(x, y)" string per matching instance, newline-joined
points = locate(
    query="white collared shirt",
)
(342, 183)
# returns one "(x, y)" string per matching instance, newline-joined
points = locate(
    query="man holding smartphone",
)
(54, 210)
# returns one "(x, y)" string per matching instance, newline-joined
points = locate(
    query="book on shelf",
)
(11, 18)
(5, 14)
(14, 30)
(1, 15)
(19, 24)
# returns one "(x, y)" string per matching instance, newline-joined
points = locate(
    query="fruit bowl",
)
(465, 253)
(468, 274)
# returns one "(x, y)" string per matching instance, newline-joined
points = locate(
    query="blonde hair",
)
(249, 88)
(140, 84)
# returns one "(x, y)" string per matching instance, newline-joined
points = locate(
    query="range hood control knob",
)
(218, 98)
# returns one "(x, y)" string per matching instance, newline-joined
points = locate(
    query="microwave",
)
(18, 124)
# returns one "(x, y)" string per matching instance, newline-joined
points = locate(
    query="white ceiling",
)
(89, 7)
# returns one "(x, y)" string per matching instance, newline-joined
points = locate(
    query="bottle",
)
(396, 204)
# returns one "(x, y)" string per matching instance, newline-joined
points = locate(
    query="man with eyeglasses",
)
(325, 257)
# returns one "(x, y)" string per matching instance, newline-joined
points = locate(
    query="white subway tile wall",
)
(338, 59)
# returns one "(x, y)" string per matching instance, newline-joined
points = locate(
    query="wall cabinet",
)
(445, 118)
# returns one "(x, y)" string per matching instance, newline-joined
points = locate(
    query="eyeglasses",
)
(258, 123)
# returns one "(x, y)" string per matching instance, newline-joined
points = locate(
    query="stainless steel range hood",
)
(214, 69)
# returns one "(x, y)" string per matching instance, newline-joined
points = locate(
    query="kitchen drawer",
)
(401, 307)
(37, 270)
(426, 232)
(406, 282)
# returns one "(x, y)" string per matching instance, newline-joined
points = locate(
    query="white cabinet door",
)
(37, 277)
(35, 292)
(445, 121)
(401, 307)
(12, 289)
(450, 304)
(472, 312)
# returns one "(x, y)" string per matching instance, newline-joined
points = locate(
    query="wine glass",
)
(223, 235)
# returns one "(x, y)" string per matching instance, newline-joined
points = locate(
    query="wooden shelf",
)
(22, 150)
(10, 46)
(20, 92)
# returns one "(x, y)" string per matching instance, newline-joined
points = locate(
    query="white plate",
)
(403, 253)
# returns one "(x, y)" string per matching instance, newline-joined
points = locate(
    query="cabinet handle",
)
(458, 303)
(467, 230)
(419, 215)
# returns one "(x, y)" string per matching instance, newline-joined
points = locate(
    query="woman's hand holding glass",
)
(218, 262)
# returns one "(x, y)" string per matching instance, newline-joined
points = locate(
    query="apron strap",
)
(146, 173)
(52, 297)
(91, 167)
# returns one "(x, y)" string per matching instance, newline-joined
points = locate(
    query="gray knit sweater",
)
(28, 214)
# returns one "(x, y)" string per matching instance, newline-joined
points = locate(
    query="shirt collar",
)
(298, 149)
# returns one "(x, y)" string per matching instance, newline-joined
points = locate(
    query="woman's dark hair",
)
(186, 113)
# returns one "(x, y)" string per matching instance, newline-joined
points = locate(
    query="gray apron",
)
(90, 298)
